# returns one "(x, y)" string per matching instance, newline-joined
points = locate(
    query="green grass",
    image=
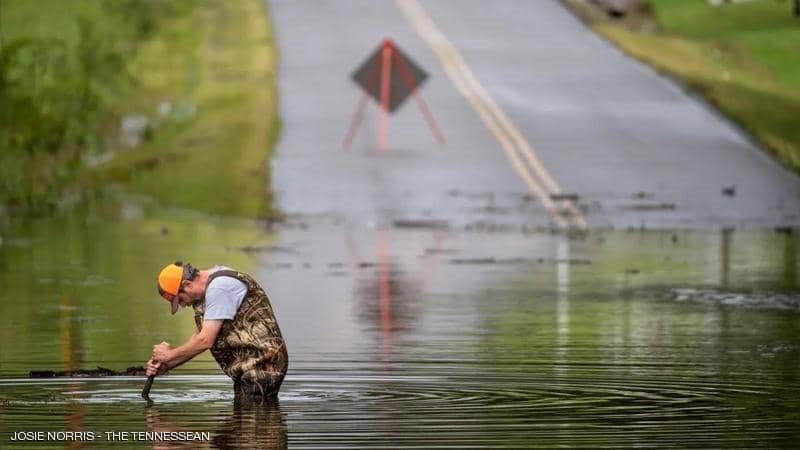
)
(699, 19)
(219, 61)
(51, 19)
(743, 58)
(63, 65)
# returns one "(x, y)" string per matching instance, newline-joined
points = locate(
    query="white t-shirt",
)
(224, 295)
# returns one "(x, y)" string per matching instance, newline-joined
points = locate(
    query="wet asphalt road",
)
(633, 146)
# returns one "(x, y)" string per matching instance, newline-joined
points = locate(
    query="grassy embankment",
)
(742, 57)
(63, 67)
(219, 62)
(70, 71)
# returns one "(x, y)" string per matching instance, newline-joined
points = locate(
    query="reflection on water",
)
(415, 338)
(244, 425)
(114, 406)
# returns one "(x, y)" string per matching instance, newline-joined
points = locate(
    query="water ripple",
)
(464, 408)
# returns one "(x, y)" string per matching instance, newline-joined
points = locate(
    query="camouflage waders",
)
(250, 348)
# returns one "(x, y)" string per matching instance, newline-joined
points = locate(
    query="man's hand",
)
(155, 368)
(170, 358)
(161, 352)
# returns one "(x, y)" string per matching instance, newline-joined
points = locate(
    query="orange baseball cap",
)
(169, 284)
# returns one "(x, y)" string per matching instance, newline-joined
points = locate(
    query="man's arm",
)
(198, 343)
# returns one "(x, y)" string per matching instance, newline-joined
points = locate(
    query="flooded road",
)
(433, 297)
(408, 335)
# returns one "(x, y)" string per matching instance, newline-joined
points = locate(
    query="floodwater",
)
(410, 335)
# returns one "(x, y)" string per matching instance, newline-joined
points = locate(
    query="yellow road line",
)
(511, 140)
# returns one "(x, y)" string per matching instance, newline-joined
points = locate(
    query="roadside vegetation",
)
(741, 56)
(175, 101)
(63, 65)
(213, 155)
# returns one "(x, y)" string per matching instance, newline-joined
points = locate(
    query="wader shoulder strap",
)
(228, 273)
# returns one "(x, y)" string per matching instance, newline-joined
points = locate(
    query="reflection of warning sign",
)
(389, 65)
(389, 77)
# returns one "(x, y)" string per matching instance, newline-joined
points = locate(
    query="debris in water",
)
(758, 300)
(440, 251)
(265, 248)
(473, 261)
(422, 224)
(490, 260)
(99, 372)
(562, 196)
(729, 191)
(650, 207)
(572, 261)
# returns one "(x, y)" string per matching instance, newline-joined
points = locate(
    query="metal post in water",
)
(147, 385)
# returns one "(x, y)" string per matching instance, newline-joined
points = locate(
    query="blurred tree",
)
(1, 24)
(59, 84)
